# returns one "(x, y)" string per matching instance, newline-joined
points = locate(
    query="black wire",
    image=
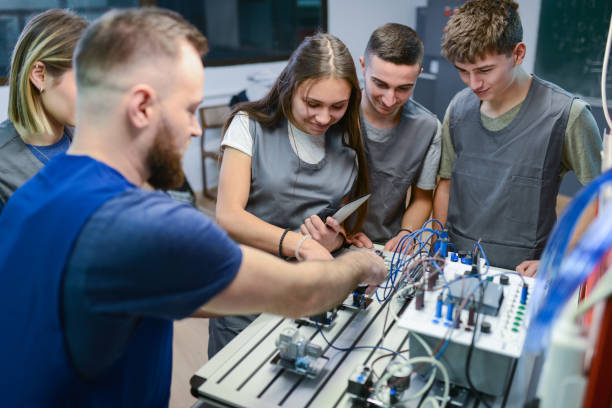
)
(471, 349)
(426, 393)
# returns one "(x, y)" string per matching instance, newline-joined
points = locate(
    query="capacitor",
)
(449, 310)
(472, 313)
(432, 277)
(524, 292)
(439, 304)
(457, 317)
(485, 327)
(419, 299)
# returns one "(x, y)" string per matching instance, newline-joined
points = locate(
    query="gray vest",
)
(504, 184)
(17, 163)
(286, 190)
(394, 165)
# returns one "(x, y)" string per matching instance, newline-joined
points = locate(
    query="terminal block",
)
(360, 385)
(297, 354)
(359, 300)
(323, 320)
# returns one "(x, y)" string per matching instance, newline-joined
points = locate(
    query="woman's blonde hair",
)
(49, 37)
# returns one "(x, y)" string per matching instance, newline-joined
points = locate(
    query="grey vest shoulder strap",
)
(394, 165)
(504, 184)
(17, 163)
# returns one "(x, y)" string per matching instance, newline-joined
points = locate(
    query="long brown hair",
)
(317, 57)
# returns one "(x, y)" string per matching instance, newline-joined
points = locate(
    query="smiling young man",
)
(402, 138)
(507, 140)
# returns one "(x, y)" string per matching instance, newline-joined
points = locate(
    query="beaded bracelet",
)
(297, 248)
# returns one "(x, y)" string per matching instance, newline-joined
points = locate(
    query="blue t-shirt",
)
(46, 153)
(142, 255)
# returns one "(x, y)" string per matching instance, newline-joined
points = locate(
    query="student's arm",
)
(415, 215)
(246, 228)
(440, 205)
(267, 284)
(447, 160)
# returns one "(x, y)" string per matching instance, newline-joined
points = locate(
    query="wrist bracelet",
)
(297, 248)
(343, 240)
(280, 244)
(405, 229)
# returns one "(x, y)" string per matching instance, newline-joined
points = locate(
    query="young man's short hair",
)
(123, 37)
(482, 27)
(395, 43)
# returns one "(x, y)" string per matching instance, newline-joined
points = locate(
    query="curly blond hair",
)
(482, 27)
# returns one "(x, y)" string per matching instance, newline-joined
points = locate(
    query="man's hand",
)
(327, 234)
(360, 240)
(311, 250)
(392, 243)
(373, 268)
(528, 268)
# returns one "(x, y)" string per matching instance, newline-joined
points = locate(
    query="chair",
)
(211, 117)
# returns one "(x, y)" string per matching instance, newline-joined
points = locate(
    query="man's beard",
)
(164, 162)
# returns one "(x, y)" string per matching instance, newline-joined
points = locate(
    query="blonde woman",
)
(42, 96)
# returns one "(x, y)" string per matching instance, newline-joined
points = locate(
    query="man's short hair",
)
(482, 27)
(121, 38)
(395, 43)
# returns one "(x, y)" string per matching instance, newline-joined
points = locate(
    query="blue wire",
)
(400, 258)
(482, 252)
(432, 220)
(357, 347)
(576, 268)
(558, 242)
(446, 342)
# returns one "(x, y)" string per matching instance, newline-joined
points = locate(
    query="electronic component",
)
(360, 301)
(297, 354)
(360, 383)
(459, 396)
(325, 319)
(473, 287)
(449, 312)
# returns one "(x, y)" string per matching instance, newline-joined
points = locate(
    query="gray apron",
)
(504, 184)
(394, 164)
(284, 192)
(17, 163)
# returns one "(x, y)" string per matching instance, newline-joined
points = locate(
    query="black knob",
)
(504, 280)
(485, 327)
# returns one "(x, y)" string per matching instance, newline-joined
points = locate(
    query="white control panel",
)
(504, 333)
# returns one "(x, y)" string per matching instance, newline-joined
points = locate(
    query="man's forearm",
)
(265, 283)
(330, 282)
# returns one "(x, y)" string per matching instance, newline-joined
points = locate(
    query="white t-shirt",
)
(309, 148)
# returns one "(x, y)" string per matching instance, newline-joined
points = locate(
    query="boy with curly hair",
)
(507, 140)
